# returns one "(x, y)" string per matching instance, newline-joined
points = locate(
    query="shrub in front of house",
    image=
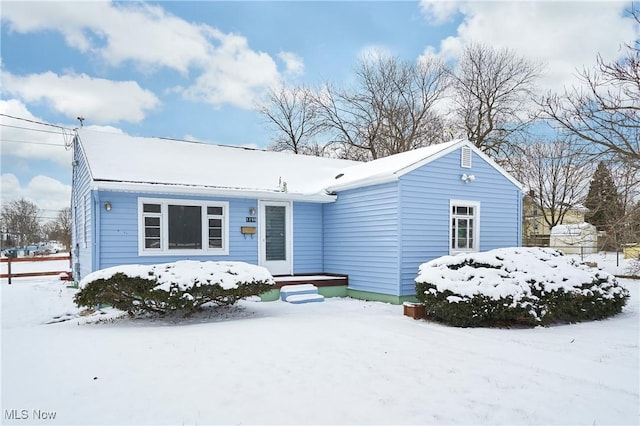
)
(516, 286)
(183, 286)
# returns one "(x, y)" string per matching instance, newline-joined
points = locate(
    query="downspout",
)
(95, 234)
(400, 239)
(519, 194)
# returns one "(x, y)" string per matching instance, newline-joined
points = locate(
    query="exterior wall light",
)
(252, 211)
(467, 178)
(107, 206)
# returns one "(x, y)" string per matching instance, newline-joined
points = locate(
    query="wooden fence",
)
(9, 261)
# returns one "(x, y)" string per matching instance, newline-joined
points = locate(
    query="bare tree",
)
(557, 175)
(627, 181)
(605, 111)
(293, 114)
(491, 90)
(22, 221)
(390, 110)
(59, 229)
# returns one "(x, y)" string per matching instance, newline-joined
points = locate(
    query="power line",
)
(35, 122)
(31, 128)
(33, 143)
(64, 131)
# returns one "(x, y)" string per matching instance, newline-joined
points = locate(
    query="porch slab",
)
(319, 280)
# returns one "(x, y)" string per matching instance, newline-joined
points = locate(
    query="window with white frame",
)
(464, 226)
(183, 227)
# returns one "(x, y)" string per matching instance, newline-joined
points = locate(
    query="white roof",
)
(121, 162)
(389, 168)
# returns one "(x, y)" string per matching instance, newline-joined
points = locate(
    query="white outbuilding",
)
(575, 238)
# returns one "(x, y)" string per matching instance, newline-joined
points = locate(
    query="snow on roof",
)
(573, 229)
(121, 158)
(383, 169)
(119, 161)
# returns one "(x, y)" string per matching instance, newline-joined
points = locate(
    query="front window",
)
(183, 227)
(464, 226)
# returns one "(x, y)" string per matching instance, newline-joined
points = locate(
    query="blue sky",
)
(195, 70)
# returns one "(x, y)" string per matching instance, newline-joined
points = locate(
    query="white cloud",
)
(97, 99)
(373, 51)
(42, 143)
(148, 37)
(50, 195)
(564, 35)
(234, 74)
(293, 63)
(438, 11)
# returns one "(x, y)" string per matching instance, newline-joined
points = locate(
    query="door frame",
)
(286, 267)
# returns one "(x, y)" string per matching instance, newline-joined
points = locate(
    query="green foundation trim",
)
(334, 291)
(379, 297)
(270, 296)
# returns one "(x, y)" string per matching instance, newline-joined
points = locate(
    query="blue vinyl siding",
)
(425, 202)
(81, 216)
(307, 238)
(119, 231)
(361, 238)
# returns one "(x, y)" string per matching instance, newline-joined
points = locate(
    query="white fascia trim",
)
(210, 191)
(375, 180)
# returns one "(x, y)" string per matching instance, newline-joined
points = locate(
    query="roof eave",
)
(375, 180)
(210, 191)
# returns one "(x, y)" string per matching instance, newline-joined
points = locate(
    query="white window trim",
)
(476, 227)
(164, 228)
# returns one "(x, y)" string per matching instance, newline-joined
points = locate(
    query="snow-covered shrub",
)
(180, 286)
(525, 286)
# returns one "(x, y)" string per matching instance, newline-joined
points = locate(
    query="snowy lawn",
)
(339, 362)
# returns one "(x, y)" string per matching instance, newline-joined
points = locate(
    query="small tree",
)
(59, 229)
(605, 206)
(22, 221)
(556, 173)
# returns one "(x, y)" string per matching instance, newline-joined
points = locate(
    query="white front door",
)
(275, 237)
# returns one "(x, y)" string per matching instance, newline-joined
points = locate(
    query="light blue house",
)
(150, 200)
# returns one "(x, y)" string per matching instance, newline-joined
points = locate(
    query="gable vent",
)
(465, 157)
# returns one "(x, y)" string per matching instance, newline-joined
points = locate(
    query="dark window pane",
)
(152, 232)
(185, 227)
(217, 211)
(152, 243)
(275, 230)
(215, 223)
(215, 243)
(151, 208)
(152, 221)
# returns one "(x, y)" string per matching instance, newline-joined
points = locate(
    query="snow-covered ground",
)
(339, 362)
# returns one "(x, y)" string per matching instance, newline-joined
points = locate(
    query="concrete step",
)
(298, 289)
(304, 298)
